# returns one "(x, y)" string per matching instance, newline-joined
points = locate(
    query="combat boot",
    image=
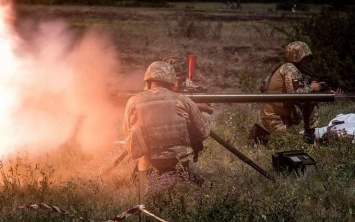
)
(309, 136)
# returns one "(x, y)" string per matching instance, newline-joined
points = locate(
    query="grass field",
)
(234, 49)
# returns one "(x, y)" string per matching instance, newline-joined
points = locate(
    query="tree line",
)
(336, 3)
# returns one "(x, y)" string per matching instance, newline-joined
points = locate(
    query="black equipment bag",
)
(293, 160)
(259, 135)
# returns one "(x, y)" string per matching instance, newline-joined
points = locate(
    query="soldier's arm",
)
(129, 115)
(200, 124)
(205, 107)
(292, 83)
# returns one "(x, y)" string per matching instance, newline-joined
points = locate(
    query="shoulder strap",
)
(266, 81)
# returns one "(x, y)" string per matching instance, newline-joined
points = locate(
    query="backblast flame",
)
(55, 89)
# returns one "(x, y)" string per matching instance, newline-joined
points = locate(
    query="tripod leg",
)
(141, 192)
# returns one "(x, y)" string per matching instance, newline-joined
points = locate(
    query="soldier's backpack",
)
(266, 81)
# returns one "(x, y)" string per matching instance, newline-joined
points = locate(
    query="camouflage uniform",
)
(167, 120)
(181, 68)
(180, 65)
(277, 117)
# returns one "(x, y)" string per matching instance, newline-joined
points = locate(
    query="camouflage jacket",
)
(286, 79)
(198, 126)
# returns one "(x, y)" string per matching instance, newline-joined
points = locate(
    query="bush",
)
(193, 29)
(71, 2)
(341, 5)
(288, 5)
(137, 3)
(331, 38)
(146, 3)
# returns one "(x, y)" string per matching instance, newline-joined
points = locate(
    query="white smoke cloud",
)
(53, 87)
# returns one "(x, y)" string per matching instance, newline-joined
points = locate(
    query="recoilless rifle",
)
(194, 92)
(241, 98)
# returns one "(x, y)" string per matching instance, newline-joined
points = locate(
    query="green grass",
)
(232, 190)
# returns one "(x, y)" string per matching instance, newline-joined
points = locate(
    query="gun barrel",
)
(241, 156)
(250, 98)
(261, 98)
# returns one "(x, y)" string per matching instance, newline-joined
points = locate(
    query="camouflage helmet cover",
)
(180, 65)
(296, 51)
(161, 72)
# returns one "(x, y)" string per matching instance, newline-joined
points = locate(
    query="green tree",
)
(332, 40)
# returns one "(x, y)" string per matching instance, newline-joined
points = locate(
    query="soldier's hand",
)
(316, 86)
(339, 92)
(205, 107)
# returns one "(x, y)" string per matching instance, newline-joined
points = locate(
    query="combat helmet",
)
(180, 65)
(161, 72)
(296, 51)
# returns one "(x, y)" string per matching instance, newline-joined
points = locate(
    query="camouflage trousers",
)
(184, 164)
(309, 113)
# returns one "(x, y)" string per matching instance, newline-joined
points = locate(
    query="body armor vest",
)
(161, 126)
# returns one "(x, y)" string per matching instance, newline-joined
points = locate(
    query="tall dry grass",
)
(232, 190)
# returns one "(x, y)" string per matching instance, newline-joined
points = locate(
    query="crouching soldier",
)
(291, 77)
(159, 124)
(181, 67)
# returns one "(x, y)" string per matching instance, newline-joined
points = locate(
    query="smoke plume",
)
(54, 87)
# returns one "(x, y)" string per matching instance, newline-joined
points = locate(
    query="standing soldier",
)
(160, 123)
(290, 78)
